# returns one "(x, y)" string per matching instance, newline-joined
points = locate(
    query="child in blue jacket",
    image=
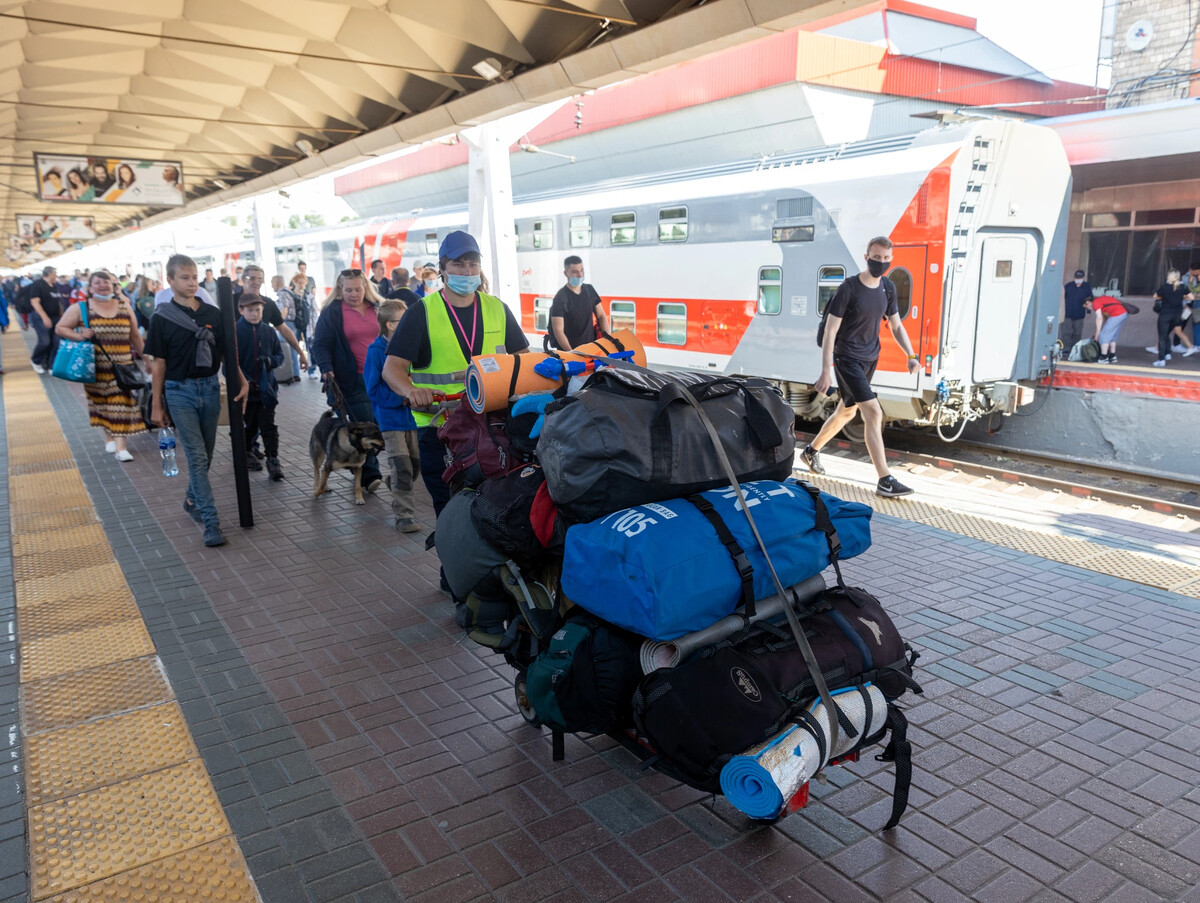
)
(395, 421)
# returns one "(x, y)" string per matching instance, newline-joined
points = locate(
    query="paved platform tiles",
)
(120, 806)
(1057, 742)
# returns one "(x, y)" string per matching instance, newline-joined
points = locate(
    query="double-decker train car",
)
(729, 269)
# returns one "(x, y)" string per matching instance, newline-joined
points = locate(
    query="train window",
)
(543, 234)
(673, 224)
(431, 243)
(1004, 269)
(581, 232)
(623, 315)
(828, 280)
(623, 229)
(541, 313)
(672, 324)
(902, 279)
(792, 233)
(770, 290)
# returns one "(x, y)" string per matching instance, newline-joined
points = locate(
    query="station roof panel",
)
(240, 89)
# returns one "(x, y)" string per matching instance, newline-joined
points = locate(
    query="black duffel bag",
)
(741, 693)
(630, 437)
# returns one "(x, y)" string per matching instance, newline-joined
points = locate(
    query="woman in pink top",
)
(346, 328)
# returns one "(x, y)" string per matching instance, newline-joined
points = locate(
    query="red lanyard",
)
(474, 327)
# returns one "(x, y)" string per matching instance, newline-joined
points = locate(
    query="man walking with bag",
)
(186, 341)
(850, 349)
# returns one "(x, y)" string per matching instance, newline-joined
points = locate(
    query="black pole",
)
(233, 385)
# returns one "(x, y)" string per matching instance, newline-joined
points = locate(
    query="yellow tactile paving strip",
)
(1137, 567)
(120, 804)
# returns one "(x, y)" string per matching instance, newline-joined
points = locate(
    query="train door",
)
(908, 275)
(1007, 269)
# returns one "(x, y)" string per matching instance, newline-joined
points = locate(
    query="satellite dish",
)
(1139, 35)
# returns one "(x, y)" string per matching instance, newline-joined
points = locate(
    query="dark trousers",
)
(433, 465)
(1070, 332)
(47, 342)
(1166, 322)
(260, 418)
(359, 407)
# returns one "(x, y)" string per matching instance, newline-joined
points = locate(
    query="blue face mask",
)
(463, 285)
(99, 297)
(575, 281)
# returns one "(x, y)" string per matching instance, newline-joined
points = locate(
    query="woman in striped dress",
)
(113, 325)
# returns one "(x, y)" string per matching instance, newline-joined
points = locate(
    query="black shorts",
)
(854, 379)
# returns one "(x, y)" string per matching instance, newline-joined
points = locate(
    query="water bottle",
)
(166, 448)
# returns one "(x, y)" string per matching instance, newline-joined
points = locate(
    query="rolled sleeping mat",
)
(669, 654)
(761, 780)
(489, 376)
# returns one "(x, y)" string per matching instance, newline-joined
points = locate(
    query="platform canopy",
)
(253, 94)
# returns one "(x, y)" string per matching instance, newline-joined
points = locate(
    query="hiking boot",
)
(213, 537)
(407, 525)
(812, 459)
(273, 469)
(193, 511)
(253, 463)
(891, 488)
(257, 452)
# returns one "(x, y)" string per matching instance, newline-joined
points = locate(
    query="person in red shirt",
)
(1111, 315)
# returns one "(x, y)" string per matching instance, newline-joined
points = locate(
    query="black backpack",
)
(889, 289)
(301, 319)
(24, 302)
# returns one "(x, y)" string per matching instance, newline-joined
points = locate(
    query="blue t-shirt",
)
(1074, 296)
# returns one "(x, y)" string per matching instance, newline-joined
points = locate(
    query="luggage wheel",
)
(523, 705)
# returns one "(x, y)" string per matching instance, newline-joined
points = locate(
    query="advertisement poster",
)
(109, 180)
(51, 234)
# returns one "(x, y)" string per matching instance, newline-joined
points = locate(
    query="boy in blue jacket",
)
(259, 353)
(395, 421)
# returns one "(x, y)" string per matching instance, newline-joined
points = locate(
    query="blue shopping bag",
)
(76, 361)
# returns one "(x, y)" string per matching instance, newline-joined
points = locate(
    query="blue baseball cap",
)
(456, 244)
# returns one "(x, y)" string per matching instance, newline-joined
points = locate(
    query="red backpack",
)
(477, 447)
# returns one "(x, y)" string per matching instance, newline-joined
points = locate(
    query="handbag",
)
(130, 377)
(76, 361)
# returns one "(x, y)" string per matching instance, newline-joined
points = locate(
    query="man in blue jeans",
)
(186, 340)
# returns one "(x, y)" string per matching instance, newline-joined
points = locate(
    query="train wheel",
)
(523, 704)
(855, 431)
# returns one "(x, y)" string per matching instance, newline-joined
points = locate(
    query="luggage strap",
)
(825, 525)
(810, 658)
(736, 552)
(898, 750)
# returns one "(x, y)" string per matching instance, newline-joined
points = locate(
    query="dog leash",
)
(339, 401)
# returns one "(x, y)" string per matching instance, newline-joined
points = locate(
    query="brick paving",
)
(364, 751)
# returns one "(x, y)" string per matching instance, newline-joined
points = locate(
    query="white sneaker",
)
(110, 447)
(1195, 349)
(39, 369)
(314, 375)
(1159, 364)
(1178, 349)
(124, 456)
(1153, 349)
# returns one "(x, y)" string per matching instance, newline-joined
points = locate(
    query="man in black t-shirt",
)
(850, 348)
(48, 300)
(186, 341)
(573, 310)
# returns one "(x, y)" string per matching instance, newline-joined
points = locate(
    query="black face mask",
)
(877, 267)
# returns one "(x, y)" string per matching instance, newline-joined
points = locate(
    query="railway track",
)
(1167, 497)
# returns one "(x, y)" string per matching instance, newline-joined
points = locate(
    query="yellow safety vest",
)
(447, 370)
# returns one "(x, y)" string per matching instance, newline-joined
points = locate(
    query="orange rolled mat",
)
(490, 375)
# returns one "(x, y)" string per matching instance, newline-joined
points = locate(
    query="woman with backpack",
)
(301, 288)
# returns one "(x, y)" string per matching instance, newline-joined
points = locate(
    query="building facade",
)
(1155, 52)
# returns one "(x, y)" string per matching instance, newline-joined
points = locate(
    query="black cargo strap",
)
(736, 552)
(612, 338)
(898, 750)
(512, 383)
(810, 658)
(825, 525)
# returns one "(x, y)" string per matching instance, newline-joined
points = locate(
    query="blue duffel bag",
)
(662, 570)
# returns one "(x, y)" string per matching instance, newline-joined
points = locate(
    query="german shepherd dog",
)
(338, 444)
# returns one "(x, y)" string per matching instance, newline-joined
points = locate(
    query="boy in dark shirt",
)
(186, 341)
(259, 353)
(573, 309)
(851, 349)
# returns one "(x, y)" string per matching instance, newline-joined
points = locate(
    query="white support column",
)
(490, 201)
(264, 236)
